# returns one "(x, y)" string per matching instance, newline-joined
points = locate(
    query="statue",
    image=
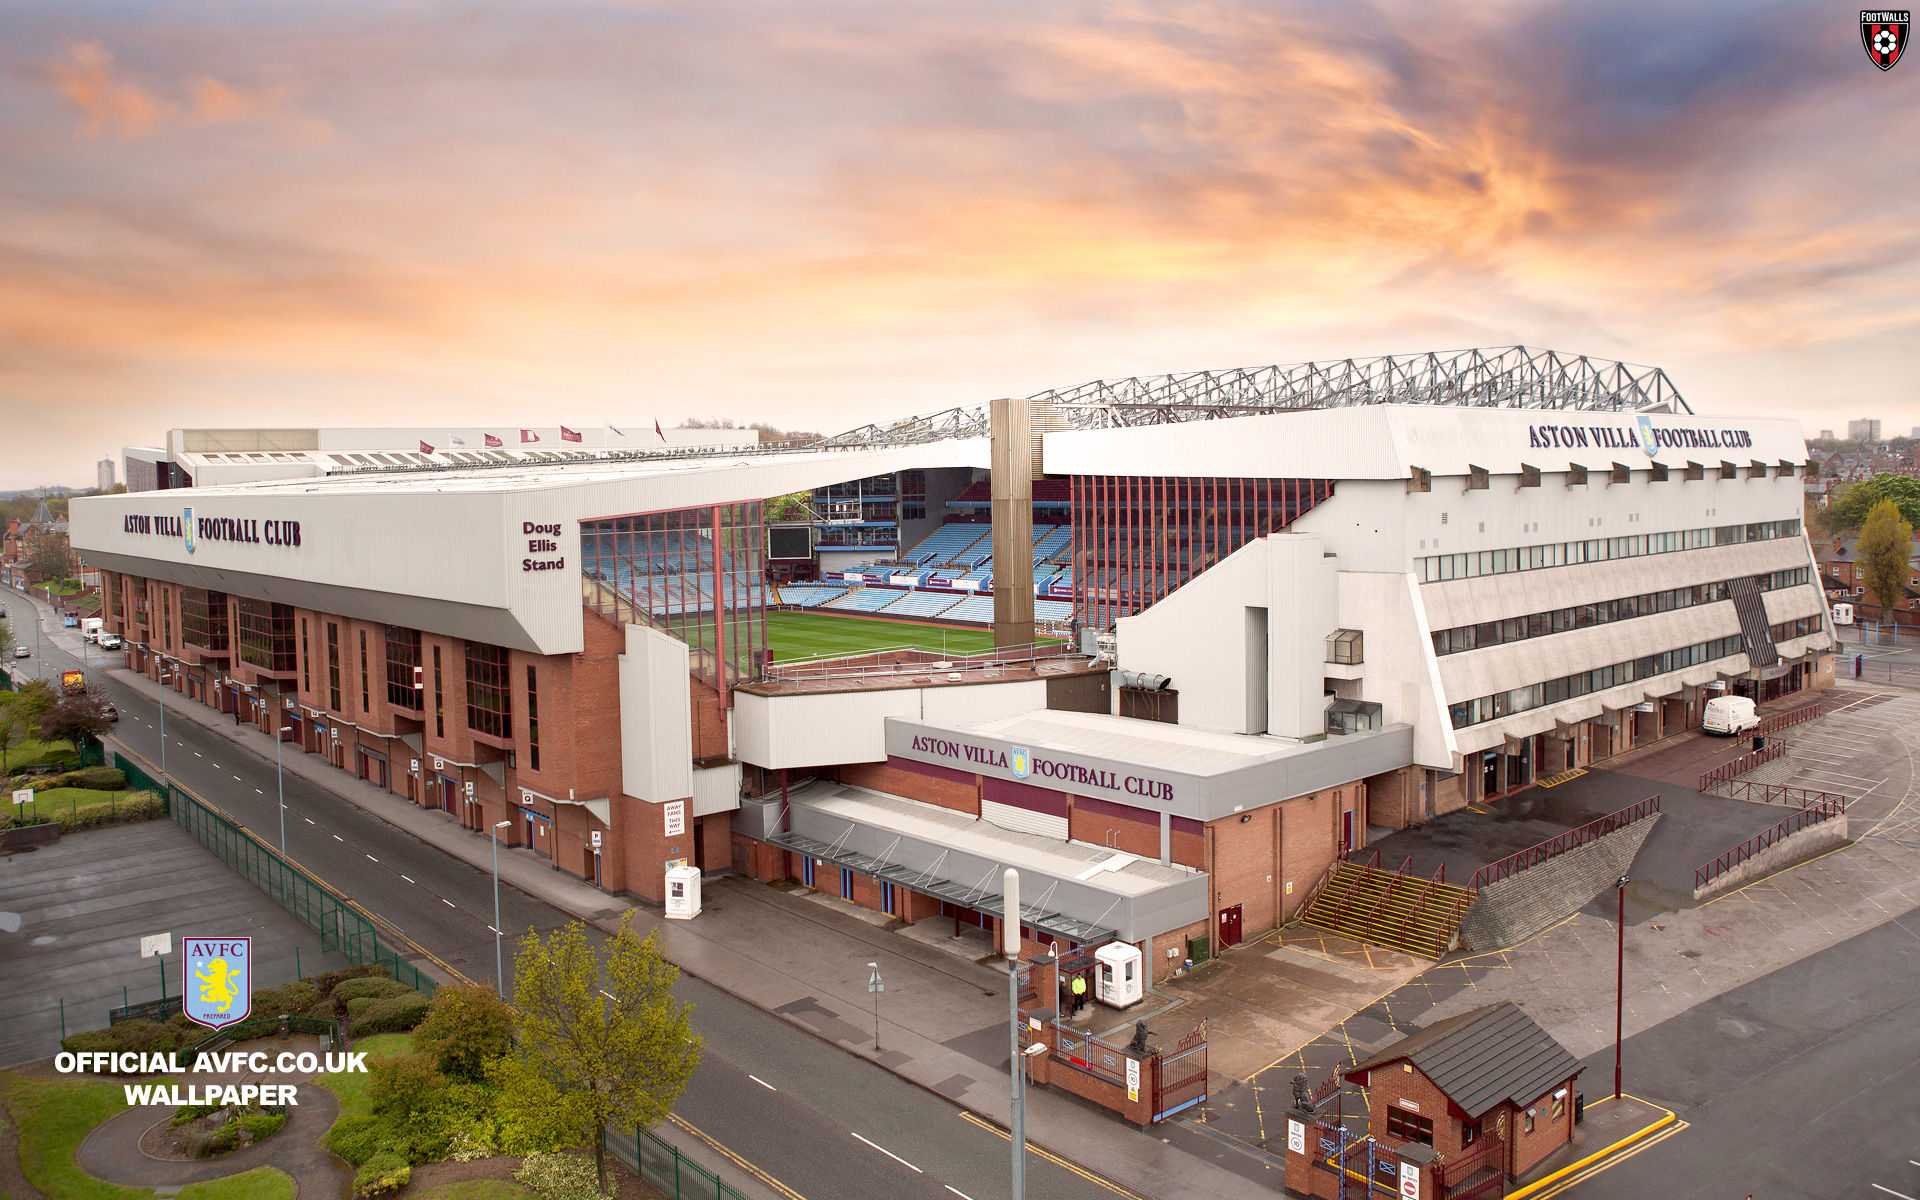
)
(1139, 1043)
(1302, 1094)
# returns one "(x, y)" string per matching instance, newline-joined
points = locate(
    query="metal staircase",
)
(1390, 908)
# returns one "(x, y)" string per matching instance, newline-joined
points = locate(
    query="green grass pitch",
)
(794, 635)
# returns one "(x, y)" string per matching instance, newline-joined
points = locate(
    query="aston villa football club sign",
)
(1884, 34)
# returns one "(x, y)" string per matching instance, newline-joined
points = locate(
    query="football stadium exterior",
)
(1296, 603)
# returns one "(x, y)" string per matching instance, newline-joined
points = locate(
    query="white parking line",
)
(371, 858)
(256, 791)
(956, 1191)
(447, 902)
(1889, 1191)
(237, 779)
(405, 877)
(308, 820)
(763, 1083)
(197, 754)
(336, 837)
(903, 1162)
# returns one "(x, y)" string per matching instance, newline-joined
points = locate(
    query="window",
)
(364, 705)
(203, 618)
(439, 707)
(489, 696)
(1439, 567)
(1408, 1127)
(1344, 646)
(533, 720)
(403, 668)
(166, 615)
(1529, 1120)
(306, 659)
(1469, 1133)
(333, 666)
(266, 636)
(1559, 1103)
(1581, 616)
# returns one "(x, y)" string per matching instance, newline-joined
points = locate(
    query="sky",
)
(268, 214)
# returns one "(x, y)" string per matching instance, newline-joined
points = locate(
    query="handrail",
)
(1373, 860)
(1468, 1161)
(1439, 878)
(1740, 766)
(1392, 883)
(1780, 793)
(1793, 716)
(1780, 831)
(1533, 856)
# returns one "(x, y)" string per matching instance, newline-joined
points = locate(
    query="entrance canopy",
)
(1070, 891)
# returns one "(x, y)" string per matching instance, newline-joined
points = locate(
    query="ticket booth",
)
(1119, 981)
(683, 892)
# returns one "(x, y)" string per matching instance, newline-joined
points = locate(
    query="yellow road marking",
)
(1538, 1190)
(1570, 1183)
(1562, 777)
(736, 1160)
(1055, 1159)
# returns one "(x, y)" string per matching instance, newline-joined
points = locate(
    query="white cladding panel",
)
(1385, 441)
(850, 727)
(656, 722)
(1023, 820)
(716, 789)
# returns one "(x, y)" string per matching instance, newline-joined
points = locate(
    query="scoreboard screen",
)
(789, 541)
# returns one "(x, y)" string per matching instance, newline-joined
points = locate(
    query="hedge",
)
(394, 1014)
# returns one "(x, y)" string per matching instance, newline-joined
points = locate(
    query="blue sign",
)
(1020, 762)
(218, 988)
(187, 527)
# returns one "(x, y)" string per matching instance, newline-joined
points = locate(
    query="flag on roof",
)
(459, 441)
(569, 435)
(494, 441)
(425, 448)
(615, 432)
(657, 429)
(528, 435)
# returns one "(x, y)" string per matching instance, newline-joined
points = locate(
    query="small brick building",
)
(1489, 1091)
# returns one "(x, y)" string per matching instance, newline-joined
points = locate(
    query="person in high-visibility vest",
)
(1079, 993)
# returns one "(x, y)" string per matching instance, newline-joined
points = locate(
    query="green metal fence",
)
(666, 1168)
(340, 925)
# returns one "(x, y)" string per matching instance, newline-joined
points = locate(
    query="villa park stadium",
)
(1168, 646)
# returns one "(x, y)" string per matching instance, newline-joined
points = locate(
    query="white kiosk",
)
(1119, 983)
(683, 892)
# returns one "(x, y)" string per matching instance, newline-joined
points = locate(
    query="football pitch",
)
(792, 635)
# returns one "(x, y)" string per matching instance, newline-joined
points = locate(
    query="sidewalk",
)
(807, 963)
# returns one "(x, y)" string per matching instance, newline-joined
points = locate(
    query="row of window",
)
(1536, 695)
(1793, 629)
(1580, 616)
(1438, 567)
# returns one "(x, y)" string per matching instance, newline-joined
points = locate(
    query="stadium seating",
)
(922, 604)
(976, 610)
(809, 595)
(940, 546)
(867, 599)
(1053, 610)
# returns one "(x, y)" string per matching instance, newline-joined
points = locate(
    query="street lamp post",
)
(160, 694)
(875, 985)
(1010, 946)
(499, 952)
(1620, 983)
(280, 771)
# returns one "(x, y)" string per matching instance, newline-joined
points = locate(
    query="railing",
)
(1372, 860)
(663, 1166)
(1780, 793)
(909, 660)
(1386, 896)
(1774, 722)
(1533, 856)
(1426, 894)
(1468, 1161)
(1740, 766)
(1805, 818)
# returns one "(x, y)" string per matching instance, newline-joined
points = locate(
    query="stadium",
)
(1170, 646)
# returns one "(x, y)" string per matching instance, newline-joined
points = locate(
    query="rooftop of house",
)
(1482, 1057)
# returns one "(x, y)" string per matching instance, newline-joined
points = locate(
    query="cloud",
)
(85, 75)
(217, 103)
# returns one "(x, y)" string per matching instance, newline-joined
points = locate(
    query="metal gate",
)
(1180, 1075)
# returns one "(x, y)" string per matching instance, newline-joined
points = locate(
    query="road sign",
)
(439, 764)
(413, 766)
(469, 787)
(155, 944)
(596, 839)
(874, 982)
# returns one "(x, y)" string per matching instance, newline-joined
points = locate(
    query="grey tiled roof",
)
(1482, 1057)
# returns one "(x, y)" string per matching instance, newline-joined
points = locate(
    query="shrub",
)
(323, 1010)
(262, 1125)
(468, 1145)
(404, 1087)
(383, 1173)
(467, 1026)
(378, 987)
(326, 981)
(395, 1014)
(223, 1140)
(295, 997)
(560, 1176)
(138, 1035)
(359, 1137)
(99, 779)
(92, 1041)
(193, 1112)
(358, 1005)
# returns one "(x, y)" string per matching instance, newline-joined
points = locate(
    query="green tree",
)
(468, 1027)
(603, 1041)
(13, 729)
(794, 506)
(1853, 505)
(34, 699)
(52, 556)
(75, 718)
(1886, 546)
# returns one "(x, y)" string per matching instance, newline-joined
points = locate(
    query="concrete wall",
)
(850, 727)
(656, 730)
(1795, 848)
(1520, 906)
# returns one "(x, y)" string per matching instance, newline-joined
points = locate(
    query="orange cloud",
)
(86, 76)
(219, 104)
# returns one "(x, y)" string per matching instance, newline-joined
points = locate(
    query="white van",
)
(90, 628)
(1730, 715)
(1843, 614)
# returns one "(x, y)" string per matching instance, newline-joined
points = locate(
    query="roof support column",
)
(1011, 491)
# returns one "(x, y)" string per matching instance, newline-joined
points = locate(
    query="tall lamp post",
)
(1010, 946)
(1620, 983)
(499, 953)
(160, 694)
(279, 737)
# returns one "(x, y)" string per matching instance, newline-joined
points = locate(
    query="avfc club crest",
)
(186, 528)
(1883, 32)
(1021, 762)
(219, 980)
(1644, 426)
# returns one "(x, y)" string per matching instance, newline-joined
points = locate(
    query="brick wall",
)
(934, 785)
(1175, 940)
(1391, 798)
(1402, 1085)
(1549, 1132)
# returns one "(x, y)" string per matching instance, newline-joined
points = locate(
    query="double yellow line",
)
(1055, 1159)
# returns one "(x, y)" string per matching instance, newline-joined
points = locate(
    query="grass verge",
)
(53, 1116)
(351, 1087)
(480, 1189)
(261, 1183)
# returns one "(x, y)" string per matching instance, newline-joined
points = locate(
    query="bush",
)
(404, 1087)
(467, 1026)
(295, 997)
(323, 1010)
(359, 1137)
(193, 1112)
(326, 981)
(139, 1035)
(359, 1005)
(383, 1173)
(262, 1125)
(98, 779)
(377, 987)
(395, 1014)
(224, 1140)
(560, 1176)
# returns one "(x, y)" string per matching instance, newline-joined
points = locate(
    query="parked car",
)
(110, 641)
(22, 652)
(1730, 715)
(110, 713)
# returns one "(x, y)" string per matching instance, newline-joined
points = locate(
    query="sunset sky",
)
(819, 214)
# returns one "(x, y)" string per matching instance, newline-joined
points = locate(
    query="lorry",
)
(73, 682)
(90, 628)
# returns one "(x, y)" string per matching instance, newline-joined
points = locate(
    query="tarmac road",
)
(823, 1123)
